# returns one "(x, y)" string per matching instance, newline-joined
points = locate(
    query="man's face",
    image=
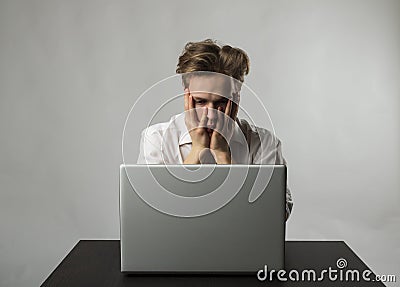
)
(212, 92)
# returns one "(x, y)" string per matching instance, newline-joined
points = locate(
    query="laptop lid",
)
(208, 218)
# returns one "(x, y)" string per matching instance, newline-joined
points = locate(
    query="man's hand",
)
(222, 134)
(197, 130)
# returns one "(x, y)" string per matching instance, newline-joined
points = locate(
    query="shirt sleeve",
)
(270, 152)
(150, 147)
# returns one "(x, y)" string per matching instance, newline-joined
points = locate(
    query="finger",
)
(186, 99)
(228, 109)
(235, 108)
(220, 120)
(190, 107)
(192, 111)
(230, 122)
(190, 101)
(235, 104)
(203, 120)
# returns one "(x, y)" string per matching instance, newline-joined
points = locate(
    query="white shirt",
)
(170, 143)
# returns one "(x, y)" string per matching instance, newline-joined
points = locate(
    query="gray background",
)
(70, 70)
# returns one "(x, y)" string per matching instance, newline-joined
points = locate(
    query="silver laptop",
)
(202, 218)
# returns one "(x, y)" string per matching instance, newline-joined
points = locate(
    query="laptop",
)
(202, 218)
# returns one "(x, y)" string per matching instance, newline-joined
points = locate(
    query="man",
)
(209, 131)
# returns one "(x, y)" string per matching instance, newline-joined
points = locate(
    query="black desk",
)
(97, 263)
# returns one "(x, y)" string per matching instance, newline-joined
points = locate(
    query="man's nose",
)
(212, 113)
(212, 116)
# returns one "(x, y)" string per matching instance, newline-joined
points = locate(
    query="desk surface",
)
(97, 263)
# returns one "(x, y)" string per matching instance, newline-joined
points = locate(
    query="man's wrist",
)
(222, 157)
(194, 155)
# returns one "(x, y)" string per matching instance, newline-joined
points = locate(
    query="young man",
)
(209, 131)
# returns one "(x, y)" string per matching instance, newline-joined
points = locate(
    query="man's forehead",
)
(212, 84)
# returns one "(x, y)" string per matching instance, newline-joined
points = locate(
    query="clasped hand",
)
(222, 130)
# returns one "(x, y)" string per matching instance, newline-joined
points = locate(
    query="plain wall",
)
(70, 70)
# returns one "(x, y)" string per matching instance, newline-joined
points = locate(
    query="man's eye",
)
(200, 102)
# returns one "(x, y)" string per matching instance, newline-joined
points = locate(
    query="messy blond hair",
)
(207, 56)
